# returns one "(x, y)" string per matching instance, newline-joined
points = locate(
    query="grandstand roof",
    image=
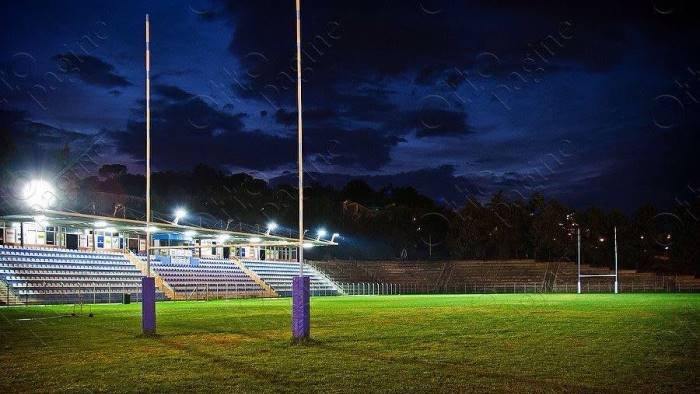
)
(160, 227)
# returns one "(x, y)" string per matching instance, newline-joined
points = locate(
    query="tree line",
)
(401, 223)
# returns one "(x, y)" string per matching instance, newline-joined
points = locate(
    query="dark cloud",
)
(187, 131)
(171, 92)
(486, 37)
(433, 122)
(310, 115)
(90, 69)
(362, 148)
(368, 67)
(429, 74)
(36, 145)
(172, 73)
(439, 182)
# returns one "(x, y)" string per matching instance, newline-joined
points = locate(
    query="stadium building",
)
(60, 256)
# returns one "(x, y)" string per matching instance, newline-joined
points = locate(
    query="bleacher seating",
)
(214, 277)
(52, 275)
(498, 276)
(279, 274)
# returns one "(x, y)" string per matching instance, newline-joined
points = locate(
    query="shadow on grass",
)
(144, 335)
(307, 342)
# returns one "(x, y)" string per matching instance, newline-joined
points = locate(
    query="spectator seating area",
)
(279, 276)
(498, 276)
(54, 275)
(207, 278)
(51, 275)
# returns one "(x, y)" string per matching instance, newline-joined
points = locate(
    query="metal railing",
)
(381, 288)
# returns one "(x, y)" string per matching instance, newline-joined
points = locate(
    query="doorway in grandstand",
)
(134, 245)
(227, 252)
(262, 254)
(72, 241)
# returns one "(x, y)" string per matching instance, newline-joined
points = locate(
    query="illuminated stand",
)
(578, 263)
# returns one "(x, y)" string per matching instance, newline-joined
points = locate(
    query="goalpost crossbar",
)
(578, 264)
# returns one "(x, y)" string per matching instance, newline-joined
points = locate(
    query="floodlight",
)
(190, 233)
(255, 239)
(271, 227)
(320, 233)
(179, 214)
(38, 194)
(335, 235)
(308, 245)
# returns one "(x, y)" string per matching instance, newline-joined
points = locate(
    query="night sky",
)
(593, 103)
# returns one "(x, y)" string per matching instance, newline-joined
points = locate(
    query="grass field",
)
(626, 342)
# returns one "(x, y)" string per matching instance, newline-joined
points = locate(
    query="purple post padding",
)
(301, 292)
(148, 305)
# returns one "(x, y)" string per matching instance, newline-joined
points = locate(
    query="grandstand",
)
(279, 277)
(48, 276)
(205, 278)
(62, 257)
(496, 276)
(60, 275)
(73, 258)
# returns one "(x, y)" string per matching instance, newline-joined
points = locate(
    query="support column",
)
(301, 322)
(148, 305)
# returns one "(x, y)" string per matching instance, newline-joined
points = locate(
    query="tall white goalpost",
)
(578, 263)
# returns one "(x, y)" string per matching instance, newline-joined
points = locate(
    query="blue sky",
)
(449, 97)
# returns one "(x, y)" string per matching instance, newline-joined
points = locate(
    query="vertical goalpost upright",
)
(301, 284)
(148, 284)
(578, 263)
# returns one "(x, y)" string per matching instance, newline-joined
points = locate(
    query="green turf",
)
(641, 342)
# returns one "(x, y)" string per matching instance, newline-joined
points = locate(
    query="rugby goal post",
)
(578, 263)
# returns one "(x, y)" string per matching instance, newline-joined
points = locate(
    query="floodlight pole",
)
(148, 289)
(578, 260)
(301, 285)
(615, 238)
